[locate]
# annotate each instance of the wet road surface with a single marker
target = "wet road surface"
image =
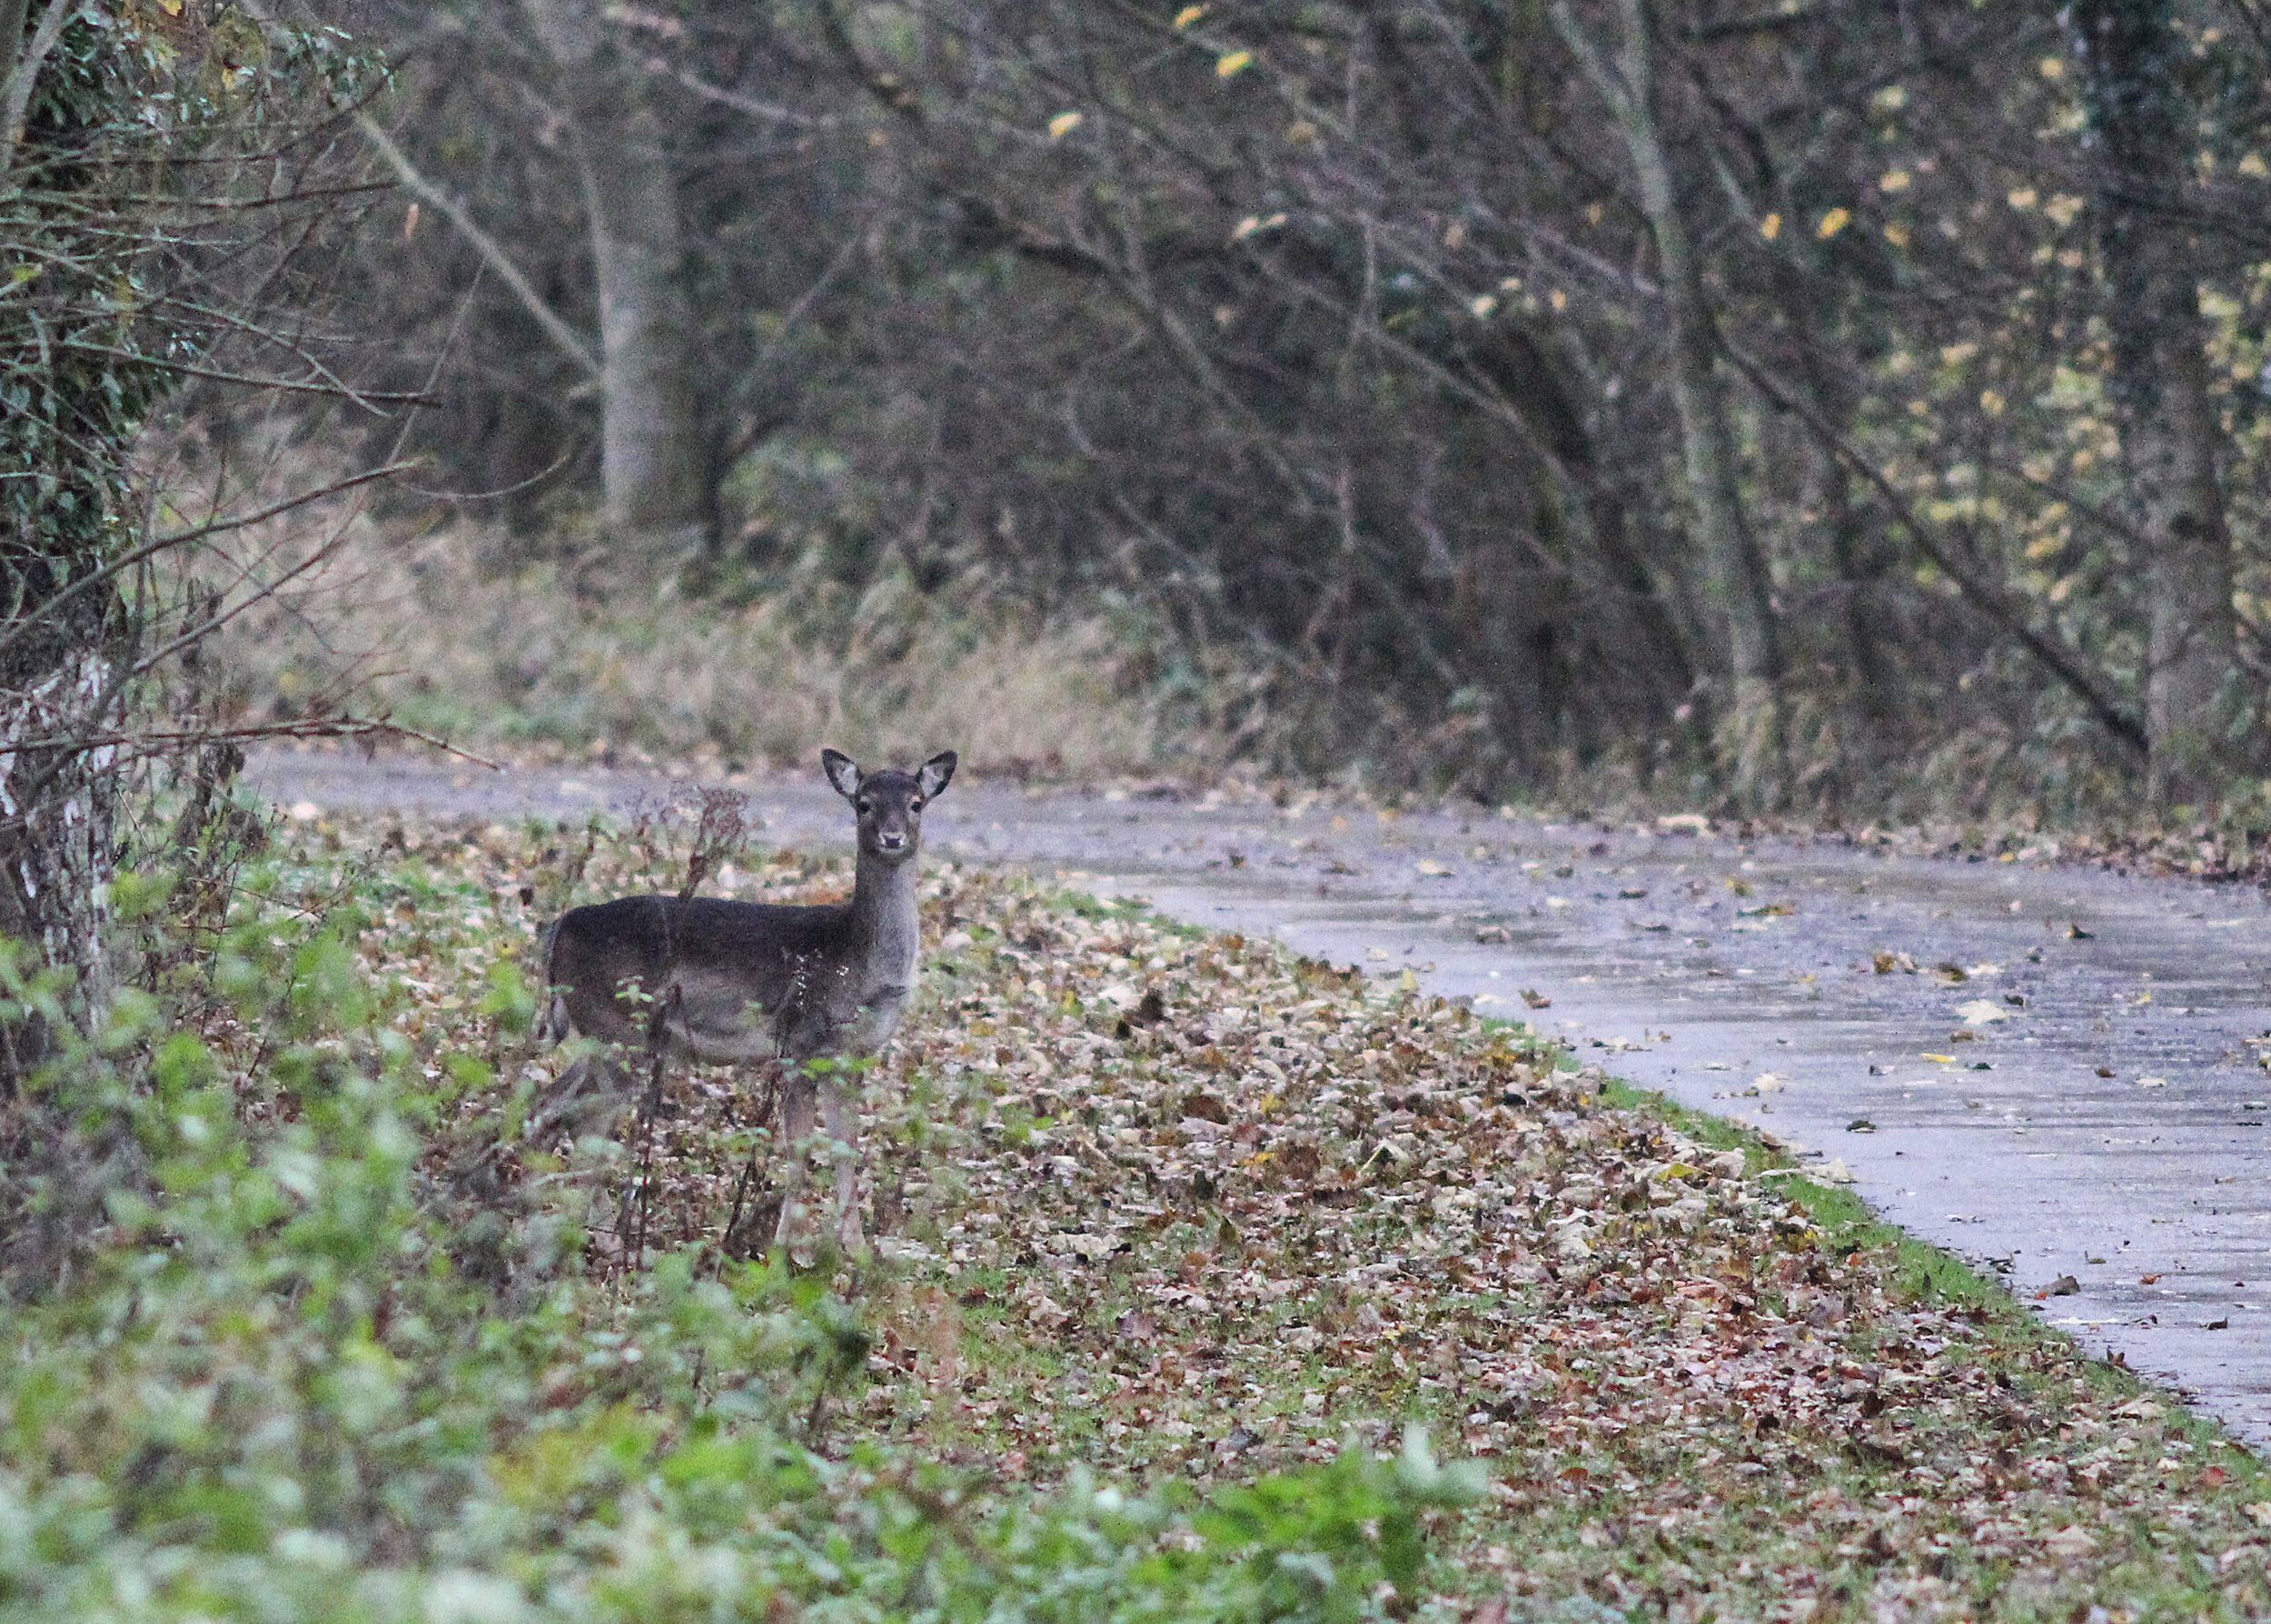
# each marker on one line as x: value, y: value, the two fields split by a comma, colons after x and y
x: 2055, y: 1072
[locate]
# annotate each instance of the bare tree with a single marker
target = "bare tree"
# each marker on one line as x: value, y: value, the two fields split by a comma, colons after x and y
x: 651, y: 459
x: 2172, y: 434
x: 1624, y: 74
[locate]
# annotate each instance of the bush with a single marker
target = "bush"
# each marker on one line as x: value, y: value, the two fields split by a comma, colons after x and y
x: 260, y: 1388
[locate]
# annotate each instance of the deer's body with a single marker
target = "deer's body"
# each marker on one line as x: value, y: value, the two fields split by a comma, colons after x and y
x: 826, y: 980
x: 761, y: 981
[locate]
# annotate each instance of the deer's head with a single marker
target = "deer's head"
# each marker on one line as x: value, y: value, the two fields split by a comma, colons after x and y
x: 889, y: 802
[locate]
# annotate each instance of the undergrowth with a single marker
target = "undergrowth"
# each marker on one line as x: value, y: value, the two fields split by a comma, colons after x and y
x: 1186, y: 1245
x: 584, y: 648
x: 254, y: 1383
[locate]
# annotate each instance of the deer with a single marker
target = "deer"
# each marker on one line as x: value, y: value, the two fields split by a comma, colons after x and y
x: 736, y: 982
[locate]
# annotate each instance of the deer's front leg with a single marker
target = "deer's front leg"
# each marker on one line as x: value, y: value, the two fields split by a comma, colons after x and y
x: 583, y: 1099
x: 843, y: 1134
x: 796, y: 1144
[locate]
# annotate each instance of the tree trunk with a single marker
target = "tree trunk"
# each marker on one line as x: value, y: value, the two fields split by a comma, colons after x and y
x: 2171, y: 432
x: 1829, y: 498
x: 58, y: 802
x: 63, y: 440
x: 13, y: 14
x: 650, y: 460
x: 1628, y: 621
x: 1741, y: 587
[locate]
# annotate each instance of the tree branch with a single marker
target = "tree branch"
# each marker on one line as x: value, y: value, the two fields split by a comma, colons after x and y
x: 1990, y: 600
x: 569, y: 341
x: 15, y: 96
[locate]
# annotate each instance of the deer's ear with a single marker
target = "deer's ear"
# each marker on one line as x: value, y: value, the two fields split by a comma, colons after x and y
x: 935, y: 772
x: 841, y: 772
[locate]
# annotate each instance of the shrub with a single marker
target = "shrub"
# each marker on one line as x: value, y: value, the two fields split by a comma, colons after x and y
x: 260, y: 1389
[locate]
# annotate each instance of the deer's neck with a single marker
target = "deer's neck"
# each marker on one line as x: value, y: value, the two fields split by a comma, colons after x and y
x: 887, y: 931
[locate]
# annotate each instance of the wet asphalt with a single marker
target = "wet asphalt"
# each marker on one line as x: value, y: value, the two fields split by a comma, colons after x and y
x: 2055, y: 1072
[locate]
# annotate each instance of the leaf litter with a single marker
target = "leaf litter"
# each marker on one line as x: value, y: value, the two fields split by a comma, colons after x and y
x: 1170, y: 1207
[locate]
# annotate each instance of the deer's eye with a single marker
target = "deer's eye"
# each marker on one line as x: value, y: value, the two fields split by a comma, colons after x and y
x: 915, y: 804
x: 866, y: 806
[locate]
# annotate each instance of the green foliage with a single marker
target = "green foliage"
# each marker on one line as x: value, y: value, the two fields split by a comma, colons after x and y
x: 266, y: 1393
x: 121, y: 202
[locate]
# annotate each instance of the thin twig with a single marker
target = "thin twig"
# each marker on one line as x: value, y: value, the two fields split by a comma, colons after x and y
x: 345, y: 726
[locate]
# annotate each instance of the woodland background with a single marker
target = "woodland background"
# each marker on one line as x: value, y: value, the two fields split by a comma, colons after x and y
x: 1841, y: 406
x: 1845, y: 409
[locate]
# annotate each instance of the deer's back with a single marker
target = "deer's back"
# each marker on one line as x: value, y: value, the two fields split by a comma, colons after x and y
x: 754, y: 978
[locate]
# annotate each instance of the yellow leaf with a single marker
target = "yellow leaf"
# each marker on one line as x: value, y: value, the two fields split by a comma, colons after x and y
x: 1898, y: 180
x: 1770, y: 227
x: 1897, y: 234
x: 1188, y: 15
x: 2254, y: 167
x: 1559, y: 300
x: 1834, y: 222
x: 1483, y: 306
x: 1063, y: 124
x: 2052, y: 68
x: 2023, y: 198
x: 1943, y: 1059
x: 1235, y: 63
x: 171, y: 8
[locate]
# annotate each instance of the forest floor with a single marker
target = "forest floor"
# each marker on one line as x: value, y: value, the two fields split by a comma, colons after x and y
x: 1161, y: 1205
